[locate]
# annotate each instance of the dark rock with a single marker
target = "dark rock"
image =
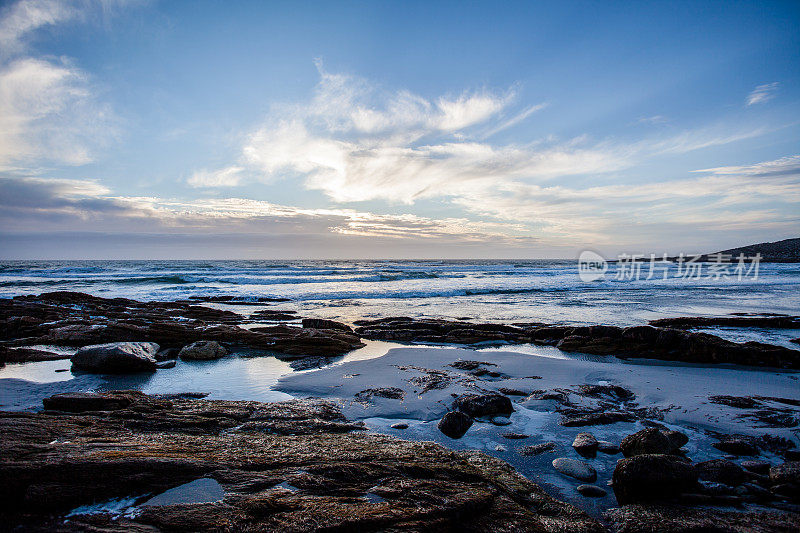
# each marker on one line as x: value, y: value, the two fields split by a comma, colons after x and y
x: 676, y: 439
x: 646, y: 441
x: 538, y: 449
x: 399, y: 425
x: 614, y: 392
x: 501, y: 421
x: 759, y: 467
x: 476, y: 405
x: 392, y: 393
x: 754, y: 491
x: 591, y: 491
x: 27, y: 355
x: 512, y: 392
x: 740, y: 402
x: 787, y: 490
x: 469, y: 365
x: 202, y: 351
x: 454, y: 424
x: 788, y: 472
x: 596, y: 419
x: 773, y: 322
x: 116, y: 357
x: 79, y: 402
x: 165, y: 354
x: 515, y: 436
x: 607, y: 447
x: 76, y: 319
x: 273, y: 315
x: 575, y: 468
x: 652, y: 477
x: 436, y: 330
x: 721, y: 471
x: 166, y: 364
x: 52, y: 463
x: 736, y: 446
x: 585, y: 444
x: 681, y: 519
x: 319, y: 323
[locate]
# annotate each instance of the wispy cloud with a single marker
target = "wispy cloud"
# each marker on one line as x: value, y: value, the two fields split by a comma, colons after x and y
x: 48, y: 113
x: 223, y: 177
x: 762, y: 93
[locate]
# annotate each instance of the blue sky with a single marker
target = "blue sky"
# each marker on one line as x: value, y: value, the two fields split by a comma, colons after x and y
x: 396, y: 129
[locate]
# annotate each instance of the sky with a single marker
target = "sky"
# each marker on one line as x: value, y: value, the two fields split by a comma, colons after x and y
x: 226, y: 130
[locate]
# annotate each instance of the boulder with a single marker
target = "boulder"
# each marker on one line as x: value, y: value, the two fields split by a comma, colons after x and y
x: 116, y: 357
x: 202, y: 351
x: 736, y: 447
x: 652, y: 477
x: 721, y: 471
x: 646, y: 441
x: 454, y: 424
x: 320, y: 323
x: 476, y: 405
x: 585, y: 444
x: 575, y: 468
x: 676, y: 439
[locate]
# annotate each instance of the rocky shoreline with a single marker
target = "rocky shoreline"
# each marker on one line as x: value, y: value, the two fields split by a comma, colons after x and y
x: 301, y: 466
x: 77, y: 319
x: 98, y: 461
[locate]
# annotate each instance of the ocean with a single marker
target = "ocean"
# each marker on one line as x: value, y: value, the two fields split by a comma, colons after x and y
x: 505, y: 291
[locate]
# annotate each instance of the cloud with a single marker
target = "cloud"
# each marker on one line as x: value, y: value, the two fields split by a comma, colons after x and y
x: 356, y: 142
x: 32, y: 203
x: 223, y: 177
x: 762, y: 93
x: 47, y: 112
x: 20, y: 19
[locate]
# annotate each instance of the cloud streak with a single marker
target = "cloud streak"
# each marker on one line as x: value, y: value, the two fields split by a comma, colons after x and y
x: 762, y: 93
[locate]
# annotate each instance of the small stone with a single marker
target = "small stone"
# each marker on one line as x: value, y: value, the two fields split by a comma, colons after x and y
x: 501, y: 421
x: 500, y: 448
x: 166, y: 364
x: 538, y: 449
x: 515, y: 436
x: 399, y: 425
x: 454, y: 424
x: 607, y: 447
x: 591, y: 491
x: 575, y: 468
x: 585, y: 444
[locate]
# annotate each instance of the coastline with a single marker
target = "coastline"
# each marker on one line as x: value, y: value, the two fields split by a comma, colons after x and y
x: 555, y: 395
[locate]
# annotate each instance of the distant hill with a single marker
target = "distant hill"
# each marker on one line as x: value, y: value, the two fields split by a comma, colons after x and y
x: 785, y: 251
